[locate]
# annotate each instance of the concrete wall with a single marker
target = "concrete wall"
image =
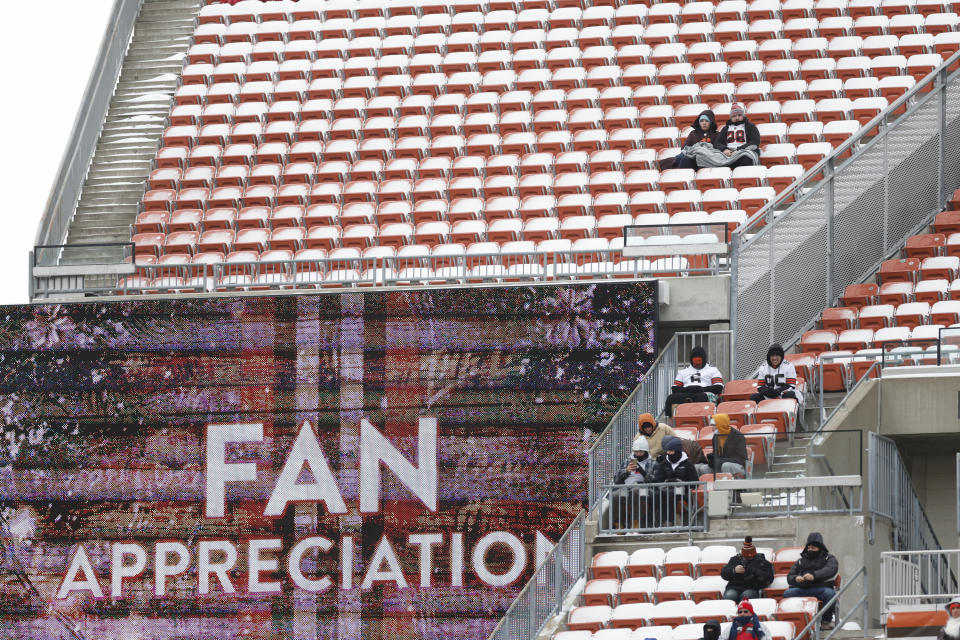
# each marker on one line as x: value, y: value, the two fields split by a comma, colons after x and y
x: 694, y: 302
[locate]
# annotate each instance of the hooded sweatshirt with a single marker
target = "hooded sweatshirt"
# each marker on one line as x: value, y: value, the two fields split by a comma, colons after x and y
x: 681, y: 470
x: 780, y: 378
x: 822, y: 564
x: 739, y: 135
x: 706, y: 378
x: 951, y: 630
x: 731, y: 447
x: 711, y: 630
x: 655, y: 439
x: 698, y: 134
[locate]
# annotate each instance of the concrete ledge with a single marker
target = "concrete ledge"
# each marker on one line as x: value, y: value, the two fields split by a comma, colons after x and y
x: 122, y: 268
x: 676, y: 249
x: 931, y: 371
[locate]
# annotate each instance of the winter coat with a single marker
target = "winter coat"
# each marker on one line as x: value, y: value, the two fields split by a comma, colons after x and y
x: 751, y: 133
x: 698, y: 134
x: 824, y: 567
x: 683, y: 471
x: 655, y: 439
x: 759, y: 632
x: 693, y: 451
x: 644, y: 472
x: 733, y: 450
x: 758, y: 572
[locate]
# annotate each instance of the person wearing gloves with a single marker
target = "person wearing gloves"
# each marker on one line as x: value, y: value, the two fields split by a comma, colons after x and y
x: 747, y: 573
x: 639, y: 468
x: 746, y: 625
x: 951, y: 630
x: 813, y: 574
x: 779, y: 377
x: 711, y: 630
x: 654, y: 432
x: 704, y: 130
x: 729, y: 448
x: 741, y: 137
x: 699, y: 382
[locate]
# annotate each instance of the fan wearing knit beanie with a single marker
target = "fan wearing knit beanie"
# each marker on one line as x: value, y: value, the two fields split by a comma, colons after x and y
x: 746, y: 573
x: 738, y: 133
x: 746, y: 625
x: 729, y: 448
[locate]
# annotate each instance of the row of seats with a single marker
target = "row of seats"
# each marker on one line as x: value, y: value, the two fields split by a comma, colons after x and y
x: 690, y: 561
x: 569, y: 194
x: 796, y: 611
x: 778, y: 630
x: 606, y: 11
x: 596, y: 618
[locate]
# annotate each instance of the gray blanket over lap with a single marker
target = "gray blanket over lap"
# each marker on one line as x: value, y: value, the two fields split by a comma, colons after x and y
x: 706, y: 155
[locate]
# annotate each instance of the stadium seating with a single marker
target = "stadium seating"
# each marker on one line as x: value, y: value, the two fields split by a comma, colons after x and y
x: 415, y: 112
x: 669, y: 594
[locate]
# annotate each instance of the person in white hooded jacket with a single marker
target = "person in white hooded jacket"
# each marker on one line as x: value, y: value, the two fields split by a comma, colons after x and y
x: 779, y: 377
x: 951, y: 630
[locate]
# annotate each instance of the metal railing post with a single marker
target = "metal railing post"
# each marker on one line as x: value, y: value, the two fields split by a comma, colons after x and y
x: 734, y: 263
x: 831, y: 176
x: 942, y: 122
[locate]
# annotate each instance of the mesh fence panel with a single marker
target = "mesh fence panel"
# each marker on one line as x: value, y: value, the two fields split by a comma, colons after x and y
x: 785, y: 275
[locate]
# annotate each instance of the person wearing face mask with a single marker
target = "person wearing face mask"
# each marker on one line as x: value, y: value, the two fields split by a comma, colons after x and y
x: 654, y: 432
x: 746, y: 625
x: 711, y: 630
x: 638, y: 469
x: 746, y: 573
x: 672, y: 466
x: 813, y: 574
x: 951, y: 630
x: 779, y: 377
x: 699, y: 382
x: 739, y: 135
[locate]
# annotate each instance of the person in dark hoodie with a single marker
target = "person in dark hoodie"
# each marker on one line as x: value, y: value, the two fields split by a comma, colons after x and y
x: 704, y: 130
x: 746, y: 625
x: 711, y: 630
x: 699, y: 382
x: 813, y: 574
x: 672, y: 466
x: 746, y: 573
x: 779, y: 377
x: 729, y: 448
x: 738, y: 133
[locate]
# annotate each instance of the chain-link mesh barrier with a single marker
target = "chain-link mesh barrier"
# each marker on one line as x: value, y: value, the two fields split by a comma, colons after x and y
x: 851, y: 212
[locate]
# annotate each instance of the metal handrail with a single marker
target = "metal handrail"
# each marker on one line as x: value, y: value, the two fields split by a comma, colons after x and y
x: 75, y: 163
x: 814, y: 624
x: 838, y: 152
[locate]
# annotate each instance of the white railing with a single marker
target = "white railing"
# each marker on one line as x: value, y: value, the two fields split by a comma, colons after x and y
x: 918, y: 578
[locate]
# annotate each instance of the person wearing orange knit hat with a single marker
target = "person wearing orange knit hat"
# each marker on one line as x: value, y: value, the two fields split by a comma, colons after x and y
x: 729, y: 447
x: 655, y: 433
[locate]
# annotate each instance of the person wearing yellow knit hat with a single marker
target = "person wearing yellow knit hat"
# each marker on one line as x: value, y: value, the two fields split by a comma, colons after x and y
x: 729, y: 447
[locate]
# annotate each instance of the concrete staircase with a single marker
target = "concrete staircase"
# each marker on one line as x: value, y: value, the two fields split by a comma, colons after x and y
x: 131, y: 132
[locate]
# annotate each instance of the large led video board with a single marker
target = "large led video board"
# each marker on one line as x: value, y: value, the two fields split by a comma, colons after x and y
x: 383, y: 464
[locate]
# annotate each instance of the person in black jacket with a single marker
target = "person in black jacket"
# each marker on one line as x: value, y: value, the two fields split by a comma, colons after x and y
x: 704, y: 130
x: 747, y: 573
x: 711, y: 630
x: 729, y: 448
x: 813, y: 574
x: 672, y: 466
x: 737, y: 134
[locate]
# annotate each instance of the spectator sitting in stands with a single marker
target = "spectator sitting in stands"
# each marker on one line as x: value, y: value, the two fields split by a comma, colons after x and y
x: 746, y: 625
x: 951, y: 630
x: 739, y: 134
x: 729, y: 448
x: 711, y: 630
x: 674, y: 465
x: 639, y: 468
x: 747, y: 573
x: 813, y: 574
x: 779, y: 377
x: 700, y: 382
x: 704, y: 130
x: 655, y: 433
x: 695, y: 454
